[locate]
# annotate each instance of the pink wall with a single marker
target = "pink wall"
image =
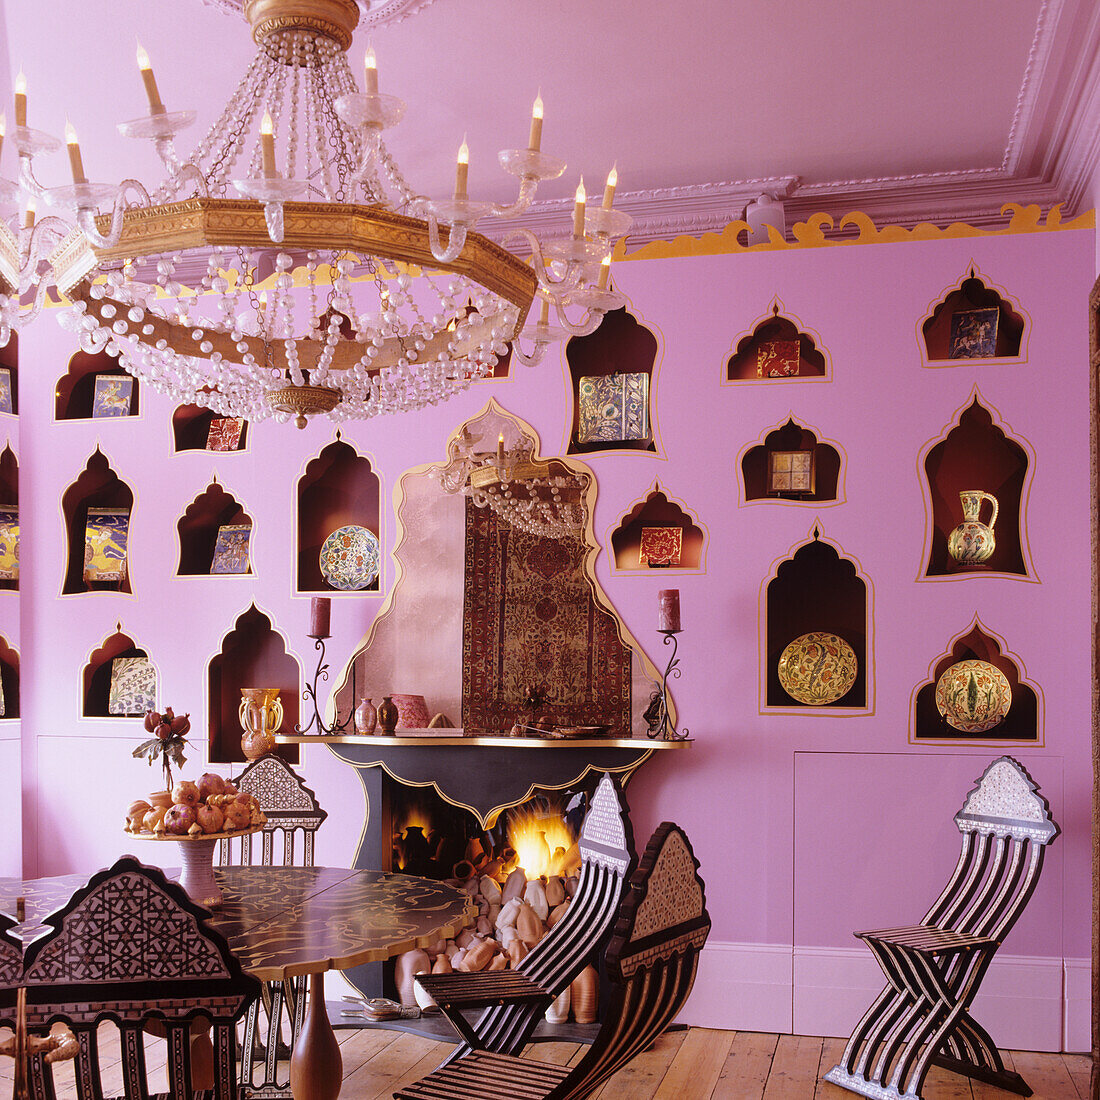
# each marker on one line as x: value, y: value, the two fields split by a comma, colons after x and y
x: 807, y: 826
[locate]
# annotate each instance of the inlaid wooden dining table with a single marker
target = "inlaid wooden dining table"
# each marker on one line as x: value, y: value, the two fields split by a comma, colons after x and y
x: 283, y: 922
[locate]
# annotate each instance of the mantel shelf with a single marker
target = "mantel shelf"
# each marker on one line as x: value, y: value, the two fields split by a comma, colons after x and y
x: 455, y: 740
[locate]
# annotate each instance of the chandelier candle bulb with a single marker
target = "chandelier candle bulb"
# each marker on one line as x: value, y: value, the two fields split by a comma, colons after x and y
x: 605, y: 272
x: 267, y: 145
x: 544, y: 311
x: 534, y: 142
x: 578, y: 210
x: 370, y: 68
x: 668, y: 610
x: 28, y: 217
x: 609, y: 188
x: 462, y: 171
x: 76, y: 163
x: 500, y: 449
x: 20, y: 99
x: 320, y: 616
x: 148, y: 78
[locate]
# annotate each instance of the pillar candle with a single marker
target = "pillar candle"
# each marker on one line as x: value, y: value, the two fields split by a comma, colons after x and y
x: 668, y: 610
x: 609, y: 187
x: 20, y: 99
x: 75, y: 161
x: 370, y: 69
x: 148, y: 78
x: 320, y: 611
x: 462, y: 172
x: 578, y: 210
x: 534, y: 141
x: 267, y: 146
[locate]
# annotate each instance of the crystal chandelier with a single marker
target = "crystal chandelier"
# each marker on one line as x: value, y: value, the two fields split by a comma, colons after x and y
x: 287, y: 268
x: 545, y: 499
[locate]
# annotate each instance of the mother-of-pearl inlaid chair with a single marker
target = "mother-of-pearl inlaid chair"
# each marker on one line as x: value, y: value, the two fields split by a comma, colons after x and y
x: 651, y: 962
x: 934, y: 968
x: 291, y: 809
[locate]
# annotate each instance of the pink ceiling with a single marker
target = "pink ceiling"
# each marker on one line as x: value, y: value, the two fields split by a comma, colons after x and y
x: 694, y: 97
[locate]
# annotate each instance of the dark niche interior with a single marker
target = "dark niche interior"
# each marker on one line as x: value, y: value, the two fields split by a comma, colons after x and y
x: 791, y: 437
x: 744, y: 364
x: 972, y: 293
x: 96, y: 680
x: 75, y: 392
x: 656, y: 511
x: 976, y: 454
x: 98, y: 486
x: 253, y: 654
x: 816, y: 590
x: 1020, y: 724
x: 198, y: 529
x: 620, y: 345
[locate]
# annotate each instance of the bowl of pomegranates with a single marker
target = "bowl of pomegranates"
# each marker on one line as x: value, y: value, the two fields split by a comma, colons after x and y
x: 196, y: 815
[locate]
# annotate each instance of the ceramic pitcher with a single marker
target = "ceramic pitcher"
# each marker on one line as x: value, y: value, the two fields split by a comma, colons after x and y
x: 261, y: 714
x: 972, y: 542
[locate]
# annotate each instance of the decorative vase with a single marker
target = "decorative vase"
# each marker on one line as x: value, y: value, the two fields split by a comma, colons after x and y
x: 558, y: 1012
x: 261, y: 714
x: 412, y: 712
x: 387, y: 715
x: 585, y: 995
x: 366, y: 717
x: 972, y: 542
x: 162, y: 799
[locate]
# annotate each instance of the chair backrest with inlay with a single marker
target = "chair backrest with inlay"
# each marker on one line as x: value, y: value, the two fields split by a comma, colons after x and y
x: 289, y: 805
x: 1006, y: 826
x: 651, y: 959
x: 131, y: 946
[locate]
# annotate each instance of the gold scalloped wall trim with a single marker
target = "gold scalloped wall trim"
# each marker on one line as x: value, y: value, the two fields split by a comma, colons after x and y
x: 811, y: 233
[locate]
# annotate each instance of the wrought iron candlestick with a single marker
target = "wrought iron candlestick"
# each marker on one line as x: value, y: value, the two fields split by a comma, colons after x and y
x: 668, y: 624
x: 319, y: 624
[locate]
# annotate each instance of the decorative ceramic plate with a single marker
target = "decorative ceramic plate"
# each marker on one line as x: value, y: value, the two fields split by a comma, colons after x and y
x: 818, y: 668
x: 974, y: 696
x: 349, y: 558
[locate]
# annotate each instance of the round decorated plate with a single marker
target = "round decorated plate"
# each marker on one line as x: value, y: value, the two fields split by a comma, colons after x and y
x: 817, y: 668
x: 349, y: 558
x: 974, y: 696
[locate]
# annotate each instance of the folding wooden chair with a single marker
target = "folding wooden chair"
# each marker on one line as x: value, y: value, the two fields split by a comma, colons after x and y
x: 291, y: 808
x: 131, y: 947
x: 515, y: 1000
x: 934, y: 968
x: 651, y: 961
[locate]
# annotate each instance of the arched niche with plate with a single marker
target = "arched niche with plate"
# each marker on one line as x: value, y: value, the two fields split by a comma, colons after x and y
x: 776, y: 349
x: 119, y: 680
x: 791, y: 465
x: 976, y: 460
x: 816, y: 649
x: 977, y: 692
x: 613, y: 375
x: 214, y: 534
x: 98, y: 509
x: 659, y: 533
x: 338, y: 492
x: 972, y: 320
x: 253, y: 654
x: 492, y: 624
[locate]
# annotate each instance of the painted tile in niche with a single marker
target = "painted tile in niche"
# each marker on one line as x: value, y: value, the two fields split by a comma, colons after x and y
x: 613, y: 408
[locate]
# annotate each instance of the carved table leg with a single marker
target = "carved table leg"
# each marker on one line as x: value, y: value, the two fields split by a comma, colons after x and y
x: 316, y: 1068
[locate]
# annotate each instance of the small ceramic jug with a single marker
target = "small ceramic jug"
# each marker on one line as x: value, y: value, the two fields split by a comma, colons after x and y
x: 387, y: 715
x: 366, y: 717
x: 972, y: 542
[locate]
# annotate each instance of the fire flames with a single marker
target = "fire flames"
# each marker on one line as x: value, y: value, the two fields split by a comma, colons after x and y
x: 541, y: 841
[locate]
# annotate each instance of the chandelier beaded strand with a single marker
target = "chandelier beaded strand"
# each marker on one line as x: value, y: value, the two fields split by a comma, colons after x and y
x: 287, y: 268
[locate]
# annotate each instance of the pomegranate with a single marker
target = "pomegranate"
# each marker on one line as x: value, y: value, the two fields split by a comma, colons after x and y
x: 209, y: 784
x: 185, y: 792
x: 210, y: 818
x: 179, y: 818
x: 237, y: 816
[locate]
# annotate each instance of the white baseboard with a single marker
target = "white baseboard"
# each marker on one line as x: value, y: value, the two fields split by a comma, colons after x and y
x: 1026, y: 1003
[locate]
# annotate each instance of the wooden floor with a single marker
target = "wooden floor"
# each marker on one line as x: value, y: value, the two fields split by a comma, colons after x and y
x: 686, y: 1065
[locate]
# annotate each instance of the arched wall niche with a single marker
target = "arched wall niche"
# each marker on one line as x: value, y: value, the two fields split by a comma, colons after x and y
x: 75, y: 391
x: 973, y: 292
x: 98, y: 486
x: 97, y: 674
x: 191, y: 430
x: 766, y: 353
x: 419, y: 643
x: 816, y: 588
x: 253, y: 654
x: 764, y: 478
x: 977, y: 453
x: 9, y: 360
x: 9, y: 678
x: 338, y: 488
x: 9, y: 519
x: 622, y: 346
x: 656, y: 510
x: 198, y: 528
x: 1022, y: 724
